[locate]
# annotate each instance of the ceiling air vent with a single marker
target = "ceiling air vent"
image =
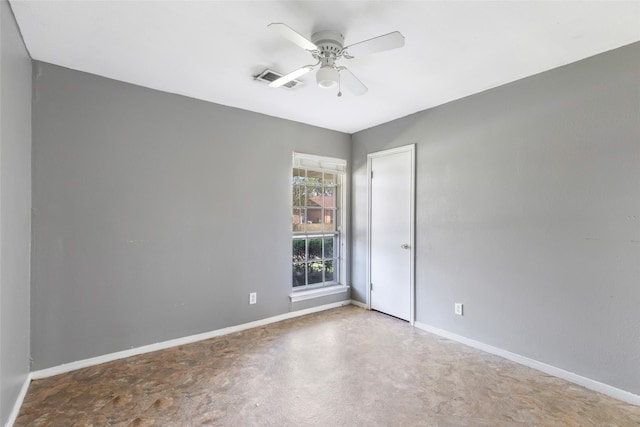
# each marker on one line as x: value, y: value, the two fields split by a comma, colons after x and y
x: 269, y: 75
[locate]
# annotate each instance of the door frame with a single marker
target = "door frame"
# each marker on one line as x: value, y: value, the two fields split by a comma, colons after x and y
x: 412, y: 149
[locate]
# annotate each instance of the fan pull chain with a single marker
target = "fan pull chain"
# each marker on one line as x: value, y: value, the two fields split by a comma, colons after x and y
x: 339, y: 86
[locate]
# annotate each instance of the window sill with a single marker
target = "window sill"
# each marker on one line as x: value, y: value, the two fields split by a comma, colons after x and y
x: 317, y: 293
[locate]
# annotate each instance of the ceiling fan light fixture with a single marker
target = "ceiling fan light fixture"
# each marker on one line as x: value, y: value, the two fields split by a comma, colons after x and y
x: 327, y: 77
x: 327, y: 47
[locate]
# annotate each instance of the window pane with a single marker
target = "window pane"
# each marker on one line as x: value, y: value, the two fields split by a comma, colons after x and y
x: 299, y: 252
x: 329, y: 198
x: 315, y: 248
x: 299, y: 198
x: 329, y: 220
x: 314, y: 219
x: 297, y: 220
x: 329, y: 273
x: 298, y: 275
x: 314, y: 178
x: 315, y: 272
x: 298, y: 175
x: 314, y: 197
x: 330, y: 179
x: 328, y: 247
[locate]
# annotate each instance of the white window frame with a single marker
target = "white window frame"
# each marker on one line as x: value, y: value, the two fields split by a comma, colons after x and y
x: 339, y: 167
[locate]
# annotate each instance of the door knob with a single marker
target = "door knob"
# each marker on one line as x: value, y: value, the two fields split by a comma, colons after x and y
x: 405, y: 246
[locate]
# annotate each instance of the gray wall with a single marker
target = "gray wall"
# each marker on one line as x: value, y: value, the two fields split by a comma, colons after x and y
x: 528, y: 212
x: 15, y: 209
x: 155, y: 215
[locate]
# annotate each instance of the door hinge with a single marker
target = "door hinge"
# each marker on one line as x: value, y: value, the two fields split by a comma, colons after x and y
x: 371, y: 174
x: 370, y: 286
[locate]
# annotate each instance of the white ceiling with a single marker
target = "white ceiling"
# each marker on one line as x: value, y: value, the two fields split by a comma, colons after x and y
x: 211, y: 50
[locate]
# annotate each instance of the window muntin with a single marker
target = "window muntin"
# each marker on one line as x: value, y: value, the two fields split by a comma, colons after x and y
x: 315, y: 221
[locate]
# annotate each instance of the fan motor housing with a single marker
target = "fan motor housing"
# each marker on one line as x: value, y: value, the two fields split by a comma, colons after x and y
x: 330, y: 43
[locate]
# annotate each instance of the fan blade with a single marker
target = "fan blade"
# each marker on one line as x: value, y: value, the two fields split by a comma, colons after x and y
x: 377, y: 44
x: 285, y: 31
x: 291, y: 76
x: 351, y: 82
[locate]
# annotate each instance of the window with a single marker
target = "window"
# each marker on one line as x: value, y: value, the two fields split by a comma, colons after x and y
x: 316, y: 220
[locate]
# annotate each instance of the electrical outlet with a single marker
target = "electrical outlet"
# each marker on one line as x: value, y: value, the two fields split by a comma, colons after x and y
x: 253, y: 298
x: 457, y: 308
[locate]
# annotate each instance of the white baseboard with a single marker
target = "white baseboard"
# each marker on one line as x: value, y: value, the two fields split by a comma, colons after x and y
x: 18, y: 403
x: 68, y: 367
x: 359, y: 304
x: 614, y: 392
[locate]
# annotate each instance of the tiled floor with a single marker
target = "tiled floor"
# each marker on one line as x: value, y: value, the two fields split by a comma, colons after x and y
x: 344, y: 367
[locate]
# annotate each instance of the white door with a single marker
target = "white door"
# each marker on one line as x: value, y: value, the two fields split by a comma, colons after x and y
x: 391, y: 207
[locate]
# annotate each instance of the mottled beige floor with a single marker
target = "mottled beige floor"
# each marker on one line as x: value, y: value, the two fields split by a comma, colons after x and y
x: 343, y: 367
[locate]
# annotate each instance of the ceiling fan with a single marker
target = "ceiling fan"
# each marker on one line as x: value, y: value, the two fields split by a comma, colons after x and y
x: 327, y: 47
